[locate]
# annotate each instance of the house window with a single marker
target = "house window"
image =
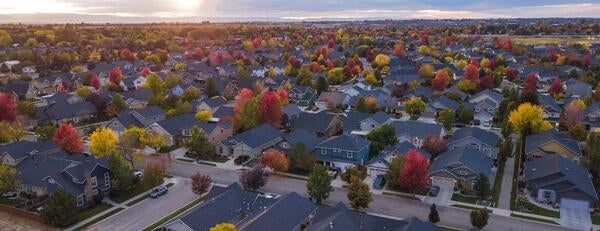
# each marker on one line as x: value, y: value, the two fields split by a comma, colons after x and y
x: 592, y: 118
x: 323, y: 151
x: 462, y: 172
x: 349, y: 155
x: 220, y: 149
x: 106, y: 180
x: 547, y: 194
x: 93, y: 182
x: 338, y: 150
x: 80, y: 201
x: 284, y: 145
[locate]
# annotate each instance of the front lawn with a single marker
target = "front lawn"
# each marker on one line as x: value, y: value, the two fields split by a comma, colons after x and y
x: 11, y: 201
x: 137, y: 189
x: 539, y: 210
x: 464, y: 199
x: 87, y: 213
x: 498, y: 182
x: 595, y: 219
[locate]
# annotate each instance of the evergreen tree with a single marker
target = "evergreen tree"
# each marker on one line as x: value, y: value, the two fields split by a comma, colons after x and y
x: 120, y: 174
x: 322, y: 85
x: 211, y: 87
x: 60, y: 209
x: 483, y: 186
x: 479, y: 217
x: 434, y: 217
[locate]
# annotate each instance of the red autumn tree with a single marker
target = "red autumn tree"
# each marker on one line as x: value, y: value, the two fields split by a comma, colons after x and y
x: 511, y: 74
x: 331, y: 43
x: 145, y: 72
x: 572, y: 114
x: 414, y: 176
x: 441, y: 80
x: 329, y: 64
x: 200, y: 183
x: 530, y: 85
x: 8, y: 107
x: 472, y: 73
x: 399, y: 50
x: 95, y: 82
x: 62, y: 88
x: 115, y: 76
x: 67, y: 138
x: 587, y: 59
x: 269, y: 108
x: 126, y: 54
x: 243, y: 96
x: 435, y: 145
x: 282, y: 96
x: 556, y: 87
x: 275, y: 160
x: 198, y: 54
x: 486, y: 82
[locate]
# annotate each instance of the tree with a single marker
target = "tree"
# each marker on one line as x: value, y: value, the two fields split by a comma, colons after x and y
x: 145, y: 72
x: 556, y: 88
x: 223, y: 227
x: 414, y: 107
x: 191, y: 94
x: 269, y: 108
x: 103, y: 142
x: 578, y: 132
x: 434, y: 217
x: 154, y: 140
x: 593, y: 152
x: 479, y: 217
x: 95, y: 82
x: 254, y: 178
x: 572, y: 114
x: 447, y: 118
x: 482, y: 186
x: 392, y: 176
x: 67, y: 138
x: 154, y: 173
x: 203, y: 115
x: 155, y: 83
x: 528, y: 117
x: 8, y: 178
x: 382, y: 60
x: 472, y: 74
x: 126, y: 54
x: 464, y: 114
x: 211, y: 87
x: 466, y: 86
x: 115, y: 76
x: 441, y: 80
x: 361, y: 105
x: 5, y: 39
x: 359, y: 194
x: 8, y: 107
x: 11, y: 131
x: 426, y: 71
x: 26, y: 108
x: 45, y: 132
x: 414, y: 176
x: 60, y: 209
x: 486, y: 83
x: 399, y: 49
x: 530, y: 85
x: 359, y: 172
x: 322, y: 85
x: 200, y: 183
x: 380, y: 137
x: 198, y: 145
x: 121, y: 179
x: 511, y: 73
x: 83, y: 92
x: 435, y: 145
x: 275, y: 160
x: 371, y: 104
x: 301, y: 161
x: 118, y: 103
x: 318, y: 185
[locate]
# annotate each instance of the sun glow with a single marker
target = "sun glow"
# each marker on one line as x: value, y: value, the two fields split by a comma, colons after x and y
x: 188, y: 4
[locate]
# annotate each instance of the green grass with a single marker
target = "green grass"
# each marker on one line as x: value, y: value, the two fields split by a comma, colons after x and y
x: 464, y: 199
x: 100, y: 218
x: 173, y: 214
x: 87, y: 213
x: 11, y: 202
x: 124, y: 196
x: 533, y: 218
x: 541, y: 211
x: 595, y: 219
x: 498, y: 182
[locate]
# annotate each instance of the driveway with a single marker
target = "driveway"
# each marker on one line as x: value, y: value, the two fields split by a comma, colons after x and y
x: 445, y: 195
x: 150, y: 210
x: 575, y: 214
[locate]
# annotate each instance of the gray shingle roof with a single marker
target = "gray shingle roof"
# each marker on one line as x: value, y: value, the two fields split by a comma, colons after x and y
x: 467, y: 156
x: 313, y: 122
x: 308, y: 139
x: 345, y: 142
x: 257, y: 136
x: 416, y: 129
x: 536, y: 140
x: 21, y: 149
x: 484, y: 136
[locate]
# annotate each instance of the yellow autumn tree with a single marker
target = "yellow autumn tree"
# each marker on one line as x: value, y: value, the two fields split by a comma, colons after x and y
x: 382, y: 60
x: 370, y: 77
x: 203, y: 115
x: 529, y: 116
x: 223, y: 227
x: 103, y: 142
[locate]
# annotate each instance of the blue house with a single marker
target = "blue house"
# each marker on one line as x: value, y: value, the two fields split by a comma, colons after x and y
x: 343, y: 151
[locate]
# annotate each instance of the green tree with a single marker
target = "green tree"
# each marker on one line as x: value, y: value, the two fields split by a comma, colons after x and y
x: 578, y: 132
x: 8, y: 178
x: 45, y: 132
x: 318, y: 185
x: 593, y: 152
x: 380, y: 137
x: 434, y: 217
x: 359, y: 194
x: 83, y: 92
x: 464, y: 114
x: 392, y: 176
x: 118, y: 103
x: 322, y: 85
x: 198, y: 145
x: 414, y: 107
x: 5, y: 39
x: 301, y: 161
x: 211, y: 87
x: 479, y: 217
x: 60, y: 209
x: 361, y: 105
x: 483, y: 186
x: 447, y: 118
x: 26, y: 108
x: 354, y: 171
x: 120, y: 174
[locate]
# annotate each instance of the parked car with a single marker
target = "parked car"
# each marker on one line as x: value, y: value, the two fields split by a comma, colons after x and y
x: 9, y: 194
x: 159, y: 191
x: 138, y: 174
x: 379, y: 182
x: 241, y: 159
x: 433, y: 191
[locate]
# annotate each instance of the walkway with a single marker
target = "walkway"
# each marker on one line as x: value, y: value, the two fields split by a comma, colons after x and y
x: 506, y: 188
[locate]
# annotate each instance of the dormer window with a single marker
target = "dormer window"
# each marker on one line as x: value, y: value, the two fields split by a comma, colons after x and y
x: 462, y: 172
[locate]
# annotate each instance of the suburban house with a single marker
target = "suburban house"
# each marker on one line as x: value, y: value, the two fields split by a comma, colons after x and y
x: 577, y: 89
x: 251, y: 142
x: 380, y: 164
x: 322, y: 124
x: 591, y: 116
x: 551, y: 108
x: 141, y: 118
x: 212, y: 104
x: 555, y: 179
x: 20, y: 90
x: 179, y: 128
x: 363, y: 123
x: 291, y: 112
x: 12, y: 154
x: 81, y: 175
x: 462, y: 165
x: 253, y: 211
x: 485, y: 104
x: 137, y: 98
x: 60, y: 108
x: 415, y: 132
x: 302, y: 96
x: 479, y: 139
x: 332, y: 99
x: 343, y: 151
x: 307, y: 139
x: 552, y: 142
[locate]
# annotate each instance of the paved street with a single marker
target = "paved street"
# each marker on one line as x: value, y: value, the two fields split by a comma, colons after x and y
x: 150, y: 210
x: 385, y: 205
x: 509, y: 168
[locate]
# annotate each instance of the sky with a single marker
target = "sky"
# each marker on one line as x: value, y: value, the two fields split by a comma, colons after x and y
x: 126, y: 11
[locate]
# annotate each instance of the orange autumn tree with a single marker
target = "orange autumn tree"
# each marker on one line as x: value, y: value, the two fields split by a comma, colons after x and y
x: 275, y: 160
x: 67, y: 138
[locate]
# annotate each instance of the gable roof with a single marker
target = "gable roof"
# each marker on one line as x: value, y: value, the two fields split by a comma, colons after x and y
x: 413, y: 128
x: 308, y: 139
x: 483, y: 136
x: 465, y: 155
x: 535, y: 141
x: 313, y: 122
x: 21, y: 149
x: 175, y: 125
x: 256, y: 137
x: 345, y: 142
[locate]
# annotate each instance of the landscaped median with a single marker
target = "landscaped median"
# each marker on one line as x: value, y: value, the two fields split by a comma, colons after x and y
x: 172, y: 215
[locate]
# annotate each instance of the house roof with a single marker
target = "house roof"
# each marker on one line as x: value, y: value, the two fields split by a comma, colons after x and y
x: 175, y: 125
x: 352, y: 121
x: 549, y: 165
x: 307, y: 138
x: 256, y: 137
x: 345, y: 142
x: 484, y: 136
x: 287, y: 213
x: 313, y: 122
x: 475, y: 160
x: 21, y: 149
x: 535, y: 141
x: 413, y: 128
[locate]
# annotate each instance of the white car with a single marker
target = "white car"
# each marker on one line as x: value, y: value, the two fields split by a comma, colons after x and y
x: 138, y: 174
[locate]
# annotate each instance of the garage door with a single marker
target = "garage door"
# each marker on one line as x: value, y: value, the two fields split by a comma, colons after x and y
x: 575, y: 214
x: 573, y: 204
